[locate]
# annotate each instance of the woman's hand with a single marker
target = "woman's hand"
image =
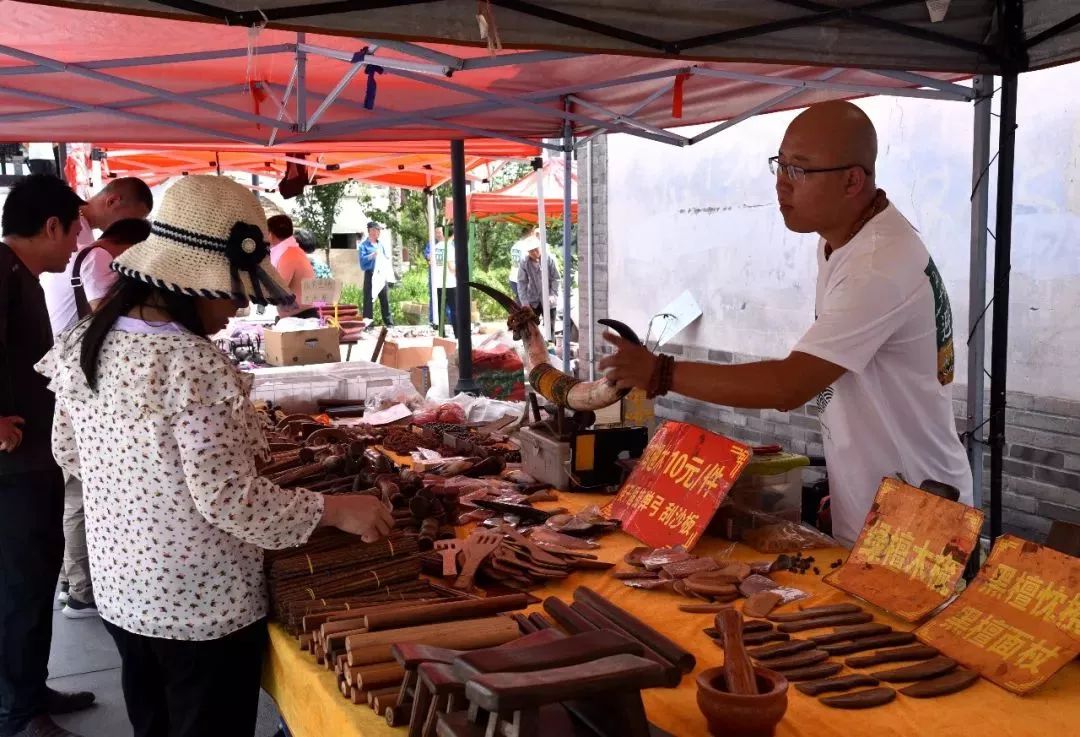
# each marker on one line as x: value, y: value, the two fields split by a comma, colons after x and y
x: 631, y: 367
x: 359, y: 514
x: 10, y: 433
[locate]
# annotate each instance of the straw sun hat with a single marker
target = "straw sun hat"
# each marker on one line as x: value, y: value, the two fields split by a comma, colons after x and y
x: 208, y: 240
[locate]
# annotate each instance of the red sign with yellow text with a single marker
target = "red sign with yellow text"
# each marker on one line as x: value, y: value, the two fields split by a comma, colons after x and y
x: 677, y: 486
x: 1018, y: 622
x: 911, y: 552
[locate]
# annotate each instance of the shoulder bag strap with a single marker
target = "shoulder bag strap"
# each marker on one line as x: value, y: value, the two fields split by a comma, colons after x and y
x: 81, y: 303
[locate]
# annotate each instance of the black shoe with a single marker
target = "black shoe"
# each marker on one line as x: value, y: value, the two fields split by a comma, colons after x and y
x: 58, y: 702
x: 44, y: 727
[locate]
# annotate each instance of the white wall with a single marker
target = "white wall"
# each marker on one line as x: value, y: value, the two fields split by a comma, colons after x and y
x: 704, y: 218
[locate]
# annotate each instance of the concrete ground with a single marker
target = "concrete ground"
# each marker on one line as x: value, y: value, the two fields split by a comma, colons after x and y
x: 84, y: 658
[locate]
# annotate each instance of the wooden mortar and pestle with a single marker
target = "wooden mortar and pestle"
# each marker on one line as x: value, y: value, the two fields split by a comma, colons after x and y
x: 739, y: 699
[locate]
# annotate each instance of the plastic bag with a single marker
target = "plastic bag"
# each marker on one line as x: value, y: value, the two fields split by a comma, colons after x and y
x: 785, y: 536
x: 757, y: 583
x: 386, y: 398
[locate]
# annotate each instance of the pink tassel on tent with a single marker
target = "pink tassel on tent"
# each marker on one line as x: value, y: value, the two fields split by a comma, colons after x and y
x: 485, y: 18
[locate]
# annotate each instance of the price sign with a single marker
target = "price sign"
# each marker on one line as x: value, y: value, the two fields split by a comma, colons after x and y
x: 911, y: 552
x: 1018, y: 622
x: 320, y: 291
x: 677, y: 486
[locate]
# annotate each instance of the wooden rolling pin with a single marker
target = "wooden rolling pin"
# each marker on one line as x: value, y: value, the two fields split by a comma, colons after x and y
x: 665, y: 646
x: 450, y: 611
x: 502, y: 629
x: 451, y: 639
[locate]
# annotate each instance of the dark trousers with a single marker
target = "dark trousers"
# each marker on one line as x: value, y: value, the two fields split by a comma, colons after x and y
x: 540, y: 312
x: 514, y: 292
x: 181, y: 688
x: 31, y: 551
x: 450, y: 295
x: 384, y: 300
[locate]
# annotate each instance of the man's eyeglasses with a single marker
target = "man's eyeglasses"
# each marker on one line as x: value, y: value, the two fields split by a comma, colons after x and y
x: 798, y: 173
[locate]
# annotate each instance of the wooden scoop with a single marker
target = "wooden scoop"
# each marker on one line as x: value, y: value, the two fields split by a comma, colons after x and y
x: 448, y: 549
x: 478, y: 547
x: 738, y: 670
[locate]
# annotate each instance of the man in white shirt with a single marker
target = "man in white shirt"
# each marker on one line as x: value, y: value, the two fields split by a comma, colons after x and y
x: 879, y: 356
x: 120, y: 199
x: 442, y: 262
x: 291, y: 262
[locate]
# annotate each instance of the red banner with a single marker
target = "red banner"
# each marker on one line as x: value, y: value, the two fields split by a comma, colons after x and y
x: 677, y: 486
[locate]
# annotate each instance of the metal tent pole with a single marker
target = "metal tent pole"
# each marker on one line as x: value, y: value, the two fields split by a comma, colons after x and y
x: 976, y: 347
x: 433, y: 296
x: 545, y: 289
x: 589, y: 326
x: 301, y: 84
x: 568, y: 152
x: 999, y: 350
x: 465, y: 384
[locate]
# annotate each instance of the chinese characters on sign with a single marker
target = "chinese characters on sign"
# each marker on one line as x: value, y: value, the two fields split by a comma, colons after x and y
x: 676, y: 487
x: 911, y: 552
x: 1019, y: 620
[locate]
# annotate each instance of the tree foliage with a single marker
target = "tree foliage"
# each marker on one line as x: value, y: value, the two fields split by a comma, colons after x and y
x: 319, y: 206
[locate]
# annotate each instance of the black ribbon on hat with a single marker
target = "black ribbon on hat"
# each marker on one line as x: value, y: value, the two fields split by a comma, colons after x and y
x: 246, y: 248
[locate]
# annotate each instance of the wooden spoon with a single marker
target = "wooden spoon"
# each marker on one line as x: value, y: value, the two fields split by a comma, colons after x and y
x: 478, y: 547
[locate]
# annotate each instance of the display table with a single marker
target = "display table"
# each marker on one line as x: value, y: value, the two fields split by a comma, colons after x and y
x: 312, y: 706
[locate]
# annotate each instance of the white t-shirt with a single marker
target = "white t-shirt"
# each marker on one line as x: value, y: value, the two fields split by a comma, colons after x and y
x: 884, y: 316
x: 97, y: 275
x: 439, y: 252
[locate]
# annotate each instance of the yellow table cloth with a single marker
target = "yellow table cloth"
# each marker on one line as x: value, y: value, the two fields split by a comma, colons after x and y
x: 312, y: 706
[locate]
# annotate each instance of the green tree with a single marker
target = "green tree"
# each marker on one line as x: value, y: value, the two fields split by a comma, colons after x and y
x: 319, y: 206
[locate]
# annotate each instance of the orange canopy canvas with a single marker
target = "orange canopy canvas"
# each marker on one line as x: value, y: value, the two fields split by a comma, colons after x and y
x: 519, y: 201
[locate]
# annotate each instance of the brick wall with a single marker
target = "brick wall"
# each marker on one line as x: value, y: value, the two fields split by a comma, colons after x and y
x: 1042, y: 466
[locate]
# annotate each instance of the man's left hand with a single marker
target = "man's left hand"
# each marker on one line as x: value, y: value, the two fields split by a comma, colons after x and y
x: 631, y: 367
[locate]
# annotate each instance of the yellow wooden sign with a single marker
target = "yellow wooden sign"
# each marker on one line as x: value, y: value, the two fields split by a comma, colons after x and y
x: 1018, y: 622
x: 911, y: 552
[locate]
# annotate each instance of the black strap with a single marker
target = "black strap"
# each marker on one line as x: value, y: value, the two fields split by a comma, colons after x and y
x: 81, y: 303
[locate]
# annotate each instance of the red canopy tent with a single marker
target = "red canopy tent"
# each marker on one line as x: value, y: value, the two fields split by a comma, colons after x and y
x: 416, y: 171
x: 519, y: 202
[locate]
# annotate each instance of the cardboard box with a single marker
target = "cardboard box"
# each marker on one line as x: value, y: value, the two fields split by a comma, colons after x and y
x: 421, y: 379
x: 301, y: 347
x: 405, y: 353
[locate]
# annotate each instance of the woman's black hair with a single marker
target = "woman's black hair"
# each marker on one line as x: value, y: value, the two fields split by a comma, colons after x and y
x: 305, y: 239
x: 126, y: 295
x: 127, y: 232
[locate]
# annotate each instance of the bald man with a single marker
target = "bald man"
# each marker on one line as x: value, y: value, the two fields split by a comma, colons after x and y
x: 879, y: 356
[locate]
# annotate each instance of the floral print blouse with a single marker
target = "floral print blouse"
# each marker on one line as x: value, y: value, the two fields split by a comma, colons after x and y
x: 176, y: 515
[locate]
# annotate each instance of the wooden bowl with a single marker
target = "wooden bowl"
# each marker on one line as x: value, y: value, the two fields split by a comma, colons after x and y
x: 732, y: 715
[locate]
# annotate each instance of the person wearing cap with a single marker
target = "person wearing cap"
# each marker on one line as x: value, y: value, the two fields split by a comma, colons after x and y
x: 119, y: 210
x: 530, y: 282
x: 291, y: 263
x: 158, y: 424
x: 40, y: 227
x: 518, y: 252
x: 374, y: 260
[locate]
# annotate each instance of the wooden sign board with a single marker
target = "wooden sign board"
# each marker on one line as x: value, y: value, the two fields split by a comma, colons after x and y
x: 1018, y: 622
x: 911, y: 552
x: 677, y: 486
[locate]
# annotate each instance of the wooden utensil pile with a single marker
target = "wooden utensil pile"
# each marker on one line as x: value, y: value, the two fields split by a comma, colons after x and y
x: 356, y: 642
x: 809, y: 662
x: 711, y: 580
x: 336, y: 565
x: 507, y: 557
